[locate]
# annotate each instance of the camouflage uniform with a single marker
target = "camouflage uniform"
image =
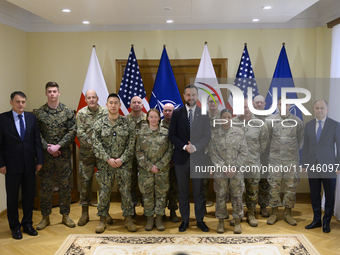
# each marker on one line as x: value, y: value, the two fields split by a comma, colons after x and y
x: 172, y: 197
x: 263, y: 200
x: 284, y: 150
x: 228, y: 147
x: 114, y: 141
x: 257, y: 141
x: 87, y: 160
x: 208, y: 156
x: 139, y: 122
x: 153, y: 148
x: 57, y: 126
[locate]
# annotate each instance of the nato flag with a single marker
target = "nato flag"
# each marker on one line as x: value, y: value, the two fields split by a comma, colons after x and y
x: 165, y: 89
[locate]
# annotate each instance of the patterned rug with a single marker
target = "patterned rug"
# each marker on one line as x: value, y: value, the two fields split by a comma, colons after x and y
x: 186, y: 244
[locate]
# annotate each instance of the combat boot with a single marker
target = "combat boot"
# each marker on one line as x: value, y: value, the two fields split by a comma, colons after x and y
x: 264, y: 212
x: 288, y: 217
x: 109, y: 219
x: 45, y: 221
x: 273, y: 217
x: 173, y: 216
x: 220, y: 226
x: 238, y: 228
x: 129, y: 224
x: 227, y: 217
x: 251, y: 218
x: 102, y: 225
x: 150, y: 223
x: 67, y: 221
x: 84, y: 218
x: 232, y: 222
x: 159, y: 223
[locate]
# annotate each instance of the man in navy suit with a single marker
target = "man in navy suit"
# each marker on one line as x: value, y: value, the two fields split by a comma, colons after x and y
x: 189, y: 132
x: 321, y: 136
x: 21, y: 155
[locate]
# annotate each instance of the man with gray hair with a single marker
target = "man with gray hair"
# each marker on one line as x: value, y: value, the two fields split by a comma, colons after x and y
x: 86, y: 117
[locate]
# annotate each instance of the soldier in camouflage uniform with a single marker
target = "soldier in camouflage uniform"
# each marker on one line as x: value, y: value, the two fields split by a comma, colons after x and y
x: 86, y: 117
x: 214, y: 113
x: 256, y: 134
x: 153, y: 152
x: 57, y: 126
x: 229, y: 152
x: 263, y: 201
x: 286, y: 141
x: 172, y: 197
x: 113, y: 142
x: 139, y: 118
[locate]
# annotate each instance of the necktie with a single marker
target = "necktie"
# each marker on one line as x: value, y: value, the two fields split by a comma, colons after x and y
x: 22, y: 127
x: 190, y: 118
x: 318, y: 132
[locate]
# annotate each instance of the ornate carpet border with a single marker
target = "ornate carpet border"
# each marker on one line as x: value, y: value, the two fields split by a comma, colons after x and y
x: 77, y: 243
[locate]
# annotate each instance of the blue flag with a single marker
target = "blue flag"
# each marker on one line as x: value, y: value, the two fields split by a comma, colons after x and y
x: 165, y: 89
x: 282, y: 78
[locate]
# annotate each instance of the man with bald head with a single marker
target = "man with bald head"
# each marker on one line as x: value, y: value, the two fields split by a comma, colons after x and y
x: 139, y: 117
x: 173, y: 190
x: 86, y: 117
x: 263, y: 196
x: 322, y: 134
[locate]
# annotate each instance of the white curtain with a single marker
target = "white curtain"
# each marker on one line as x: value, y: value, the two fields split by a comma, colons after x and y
x: 334, y: 93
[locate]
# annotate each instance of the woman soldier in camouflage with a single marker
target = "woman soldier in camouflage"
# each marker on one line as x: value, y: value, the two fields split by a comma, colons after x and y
x: 228, y: 153
x: 153, y: 152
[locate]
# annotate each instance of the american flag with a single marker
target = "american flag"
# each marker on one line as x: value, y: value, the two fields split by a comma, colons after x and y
x: 132, y: 85
x: 245, y: 76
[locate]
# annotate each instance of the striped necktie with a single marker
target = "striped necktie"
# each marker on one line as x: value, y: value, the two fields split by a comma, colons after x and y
x: 191, y: 118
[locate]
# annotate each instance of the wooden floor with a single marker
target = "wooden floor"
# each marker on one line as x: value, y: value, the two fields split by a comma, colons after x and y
x: 49, y: 239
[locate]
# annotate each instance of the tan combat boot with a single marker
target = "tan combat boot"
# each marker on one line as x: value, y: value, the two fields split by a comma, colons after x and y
x: 220, y: 226
x: 67, y: 221
x: 232, y: 222
x: 238, y: 228
x: 129, y: 224
x: 150, y: 223
x: 84, y: 218
x: 45, y: 221
x: 102, y: 225
x: 109, y: 219
x: 288, y: 217
x: 273, y: 217
x: 264, y: 212
x: 159, y: 223
x: 251, y: 218
x: 173, y: 216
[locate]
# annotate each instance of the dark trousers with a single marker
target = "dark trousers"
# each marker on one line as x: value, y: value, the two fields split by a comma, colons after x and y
x: 13, y: 182
x: 315, y: 192
x: 183, y: 181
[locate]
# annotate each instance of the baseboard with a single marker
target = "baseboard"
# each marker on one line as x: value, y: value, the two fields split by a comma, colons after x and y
x: 4, y: 212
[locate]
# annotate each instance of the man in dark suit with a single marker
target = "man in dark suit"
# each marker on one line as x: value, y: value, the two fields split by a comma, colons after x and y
x: 321, y: 136
x: 21, y: 155
x: 189, y: 132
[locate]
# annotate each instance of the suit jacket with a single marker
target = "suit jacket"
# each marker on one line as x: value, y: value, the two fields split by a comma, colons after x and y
x: 15, y: 154
x: 180, y: 134
x: 323, y: 151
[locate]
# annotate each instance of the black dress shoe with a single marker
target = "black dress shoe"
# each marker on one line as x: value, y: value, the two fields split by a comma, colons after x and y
x: 16, y: 234
x: 202, y: 226
x: 326, y: 228
x: 30, y: 231
x: 314, y: 224
x: 184, y: 225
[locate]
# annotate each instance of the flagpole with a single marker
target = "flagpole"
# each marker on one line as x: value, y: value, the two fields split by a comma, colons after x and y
x: 206, y: 43
x: 94, y: 46
x: 164, y: 45
x: 131, y: 45
x: 245, y: 44
x: 283, y: 44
